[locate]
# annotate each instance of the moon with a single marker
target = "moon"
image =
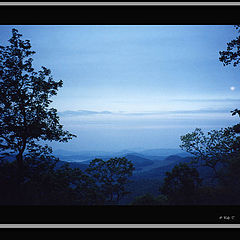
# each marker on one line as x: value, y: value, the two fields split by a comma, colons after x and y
x: 232, y: 88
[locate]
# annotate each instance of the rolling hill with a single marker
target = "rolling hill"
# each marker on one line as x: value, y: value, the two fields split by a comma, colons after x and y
x: 138, y: 162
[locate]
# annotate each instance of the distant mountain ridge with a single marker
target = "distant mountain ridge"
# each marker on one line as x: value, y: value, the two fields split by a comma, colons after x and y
x: 138, y: 162
x: 168, y: 164
x: 161, y: 152
x: 146, y: 166
x: 152, y: 154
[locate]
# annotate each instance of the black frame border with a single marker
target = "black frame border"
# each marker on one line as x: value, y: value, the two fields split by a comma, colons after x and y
x: 119, y: 15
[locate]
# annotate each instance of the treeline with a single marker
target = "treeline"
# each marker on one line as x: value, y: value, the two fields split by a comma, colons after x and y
x: 47, y: 182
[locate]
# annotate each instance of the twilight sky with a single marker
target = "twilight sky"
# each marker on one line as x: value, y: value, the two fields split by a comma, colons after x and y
x: 128, y: 87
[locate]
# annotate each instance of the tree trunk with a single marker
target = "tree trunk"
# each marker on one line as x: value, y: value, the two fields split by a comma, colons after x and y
x: 20, y: 167
x: 20, y: 172
x: 19, y: 179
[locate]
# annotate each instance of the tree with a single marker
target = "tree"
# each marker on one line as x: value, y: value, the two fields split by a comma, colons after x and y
x: 181, y: 184
x: 212, y: 149
x: 111, y: 176
x: 25, y: 113
x: 150, y: 200
x: 67, y: 186
x: 232, y: 56
x: 47, y: 181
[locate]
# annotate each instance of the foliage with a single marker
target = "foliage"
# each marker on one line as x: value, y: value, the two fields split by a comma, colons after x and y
x: 218, y: 150
x: 111, y: 176
x: 232, y: 54
x: 139, y: 187
x: 181, y: 184
x: 149, y: 200
x: 25, y: 112
x: 229, y: 180
x: 47, y: 183
x: 211, y: 149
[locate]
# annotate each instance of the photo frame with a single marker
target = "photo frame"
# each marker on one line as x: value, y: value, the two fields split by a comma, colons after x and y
x: 120, y: 14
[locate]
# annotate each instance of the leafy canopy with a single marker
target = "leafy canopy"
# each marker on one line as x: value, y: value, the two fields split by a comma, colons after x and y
x: 111, y: 176
x: 232, y: 54
x: 211, y: 148
x: 25, y: 112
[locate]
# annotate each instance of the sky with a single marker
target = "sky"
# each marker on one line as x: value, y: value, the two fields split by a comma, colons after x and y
x: 135, y: 86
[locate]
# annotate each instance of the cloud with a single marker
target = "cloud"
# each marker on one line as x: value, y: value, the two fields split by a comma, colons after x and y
x: 209, y: 100
x: 153, y: 113
x: 200, y: 111
x: 82, y: 113
x: 197, y: 111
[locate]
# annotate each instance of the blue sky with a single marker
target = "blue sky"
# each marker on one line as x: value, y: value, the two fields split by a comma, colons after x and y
x: 136, y: 86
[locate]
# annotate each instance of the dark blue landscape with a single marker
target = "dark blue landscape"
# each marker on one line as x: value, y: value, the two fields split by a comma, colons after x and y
x: 150, y: 167
x: 120, y: 115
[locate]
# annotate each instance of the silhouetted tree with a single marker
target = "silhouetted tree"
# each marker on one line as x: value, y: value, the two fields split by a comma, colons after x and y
x: 25, y: 113
x: 229, y: 184
x: 111, y: 176
x: 212, y: 149
x: 150, y: 200
x: 47, y: 181
x: 67, y: 186
x: 181, y: 184
x: 232, y: 56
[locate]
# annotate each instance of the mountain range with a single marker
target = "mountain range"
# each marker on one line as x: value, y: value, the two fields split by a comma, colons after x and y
x: 150, y: 166
x: 153, y: 154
